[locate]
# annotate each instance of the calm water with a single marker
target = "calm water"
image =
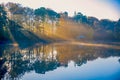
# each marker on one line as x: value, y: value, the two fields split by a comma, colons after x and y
x: 59, y: 62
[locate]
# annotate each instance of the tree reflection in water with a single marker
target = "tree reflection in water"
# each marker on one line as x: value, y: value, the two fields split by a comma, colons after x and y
x: 15, y: 62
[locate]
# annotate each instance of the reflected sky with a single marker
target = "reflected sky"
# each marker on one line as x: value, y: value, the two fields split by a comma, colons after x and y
x: 99, y: 69
x: 60, y: 61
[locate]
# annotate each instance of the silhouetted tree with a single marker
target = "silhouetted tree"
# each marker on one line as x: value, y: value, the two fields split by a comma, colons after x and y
x: 78, y: 17
x: 3, y: 24
x: 117, y: 29
x: 65, y: 14
x: 107, y: 24
x: 92, y: 21
x: 41, y: 12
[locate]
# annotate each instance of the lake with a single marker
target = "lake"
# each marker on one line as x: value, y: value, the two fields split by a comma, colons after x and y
x: 60, y: 61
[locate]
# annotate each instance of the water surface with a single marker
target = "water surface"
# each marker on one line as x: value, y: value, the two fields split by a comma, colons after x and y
x: 60, y: 62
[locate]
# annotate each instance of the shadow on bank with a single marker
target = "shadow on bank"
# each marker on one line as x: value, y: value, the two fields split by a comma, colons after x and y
x: 17, y: 35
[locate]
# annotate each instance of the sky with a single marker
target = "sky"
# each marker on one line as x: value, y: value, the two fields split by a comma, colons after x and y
x: 101, y: 9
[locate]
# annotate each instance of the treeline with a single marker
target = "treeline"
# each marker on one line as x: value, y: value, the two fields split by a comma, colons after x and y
x: 12, y: 30
x: 104, y: 25
x: 32, y: 19
x: 3, y: 24
x: 14, y: 15
x: 26, y: 16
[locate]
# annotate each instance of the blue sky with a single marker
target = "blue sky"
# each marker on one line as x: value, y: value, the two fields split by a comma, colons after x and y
x: 98, y: 8
x: 115, y: 3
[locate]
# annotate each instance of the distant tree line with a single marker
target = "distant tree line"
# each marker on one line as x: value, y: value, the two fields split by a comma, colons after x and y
x: 30, y: 19
x: 103, y: 25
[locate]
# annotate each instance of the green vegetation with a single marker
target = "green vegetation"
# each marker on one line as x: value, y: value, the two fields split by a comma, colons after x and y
x: 13, y: 32
x: 3, y: 24
x: 117, y: 29
x: 18, y: 23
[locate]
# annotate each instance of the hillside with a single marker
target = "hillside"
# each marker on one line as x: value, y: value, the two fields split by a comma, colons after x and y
x: 20, y: 24
x: 18, y: 35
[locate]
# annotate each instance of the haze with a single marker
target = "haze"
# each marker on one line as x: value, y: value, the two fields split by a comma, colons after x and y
x: 102, y: 9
